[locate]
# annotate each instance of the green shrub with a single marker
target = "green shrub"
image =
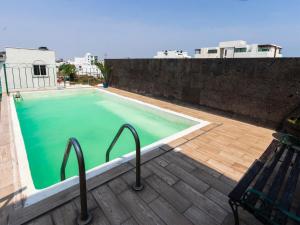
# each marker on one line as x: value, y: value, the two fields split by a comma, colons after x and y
x: 85, y: 79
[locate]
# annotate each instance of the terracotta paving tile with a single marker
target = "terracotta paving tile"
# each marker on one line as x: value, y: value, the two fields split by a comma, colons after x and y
x: 236, y: 158
x: 210, y: 126
x: 195, y: 154
x: 177, y: 142
x: 229, y: 150
x: 225, y: 169
x: 194, y: 134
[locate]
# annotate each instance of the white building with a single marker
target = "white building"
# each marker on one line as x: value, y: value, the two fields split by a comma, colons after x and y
x: 59, y: 62
x: 85, y: 65
x: 239, y: 49
x: 171, y: 54
x: 28, y: 68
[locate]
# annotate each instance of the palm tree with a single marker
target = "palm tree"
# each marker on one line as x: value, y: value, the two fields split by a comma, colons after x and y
x: 105, y: 70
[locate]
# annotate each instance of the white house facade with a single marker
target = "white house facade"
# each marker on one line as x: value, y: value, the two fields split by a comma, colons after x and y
x: 171, y: 54
x: 239, y: 49
x: 85, y: 65
x: 28, y: 68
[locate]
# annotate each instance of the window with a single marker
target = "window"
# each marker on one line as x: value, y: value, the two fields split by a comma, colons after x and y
x: 43, y: 70
x: 212, y: 51
x: 39, y: 70
x: 198, y: 51
x: 240, y: 49
x: 263, y: 49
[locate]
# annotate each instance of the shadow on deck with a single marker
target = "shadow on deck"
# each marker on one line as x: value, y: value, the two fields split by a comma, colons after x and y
x: 178, y: 190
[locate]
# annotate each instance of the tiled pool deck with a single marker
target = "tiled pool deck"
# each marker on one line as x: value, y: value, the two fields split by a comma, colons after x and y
x: 186, y: 182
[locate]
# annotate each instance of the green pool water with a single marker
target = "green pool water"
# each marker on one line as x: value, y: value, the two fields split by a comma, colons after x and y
x: 48, y: 119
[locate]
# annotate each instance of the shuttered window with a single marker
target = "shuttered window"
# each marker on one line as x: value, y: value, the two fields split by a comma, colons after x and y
x: 39, y: 70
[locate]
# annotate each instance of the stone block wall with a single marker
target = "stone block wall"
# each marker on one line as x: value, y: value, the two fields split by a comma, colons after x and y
x: 261, y: 90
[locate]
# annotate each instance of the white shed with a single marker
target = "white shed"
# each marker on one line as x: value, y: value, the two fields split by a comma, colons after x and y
x: 28, y: 68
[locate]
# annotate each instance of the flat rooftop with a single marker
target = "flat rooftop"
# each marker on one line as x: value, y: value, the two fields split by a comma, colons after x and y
x: 186, y: 181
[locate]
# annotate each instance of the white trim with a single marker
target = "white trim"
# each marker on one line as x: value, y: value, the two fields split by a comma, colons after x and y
x: 33, y: 195
x: 25, y: 175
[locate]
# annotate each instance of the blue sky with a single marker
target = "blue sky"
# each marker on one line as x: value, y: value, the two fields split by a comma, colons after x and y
x: 127, y: 28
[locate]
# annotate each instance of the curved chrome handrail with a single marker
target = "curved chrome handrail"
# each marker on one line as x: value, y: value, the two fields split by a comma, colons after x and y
x: 85, y: 217
x: 138, y: 185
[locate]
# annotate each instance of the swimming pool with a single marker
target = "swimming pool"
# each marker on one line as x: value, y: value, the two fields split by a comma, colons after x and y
x: 44, y: 121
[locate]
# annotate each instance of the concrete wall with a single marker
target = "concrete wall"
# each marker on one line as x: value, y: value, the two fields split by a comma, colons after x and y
x: 19, y: 69
x: 262, y: 90
x: 29, y: 56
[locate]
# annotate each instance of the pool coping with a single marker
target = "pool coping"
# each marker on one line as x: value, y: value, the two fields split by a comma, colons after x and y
x: 33, y: 195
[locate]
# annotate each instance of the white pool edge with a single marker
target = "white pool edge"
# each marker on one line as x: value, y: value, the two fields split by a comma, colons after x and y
x: 34, y: 195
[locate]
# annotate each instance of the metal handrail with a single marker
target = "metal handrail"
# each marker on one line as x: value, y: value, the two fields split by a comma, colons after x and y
x: 138, y: 185
x: 85, y: 217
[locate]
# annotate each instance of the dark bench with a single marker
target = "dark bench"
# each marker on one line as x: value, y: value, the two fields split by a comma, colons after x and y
x: 268, y: 190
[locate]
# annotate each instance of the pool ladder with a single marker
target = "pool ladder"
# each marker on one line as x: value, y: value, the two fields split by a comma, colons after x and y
x: 138, y: 185
x: 85, y: 217
x: 18, y: 96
